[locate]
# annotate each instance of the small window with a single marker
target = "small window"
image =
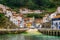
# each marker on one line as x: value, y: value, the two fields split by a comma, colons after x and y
x: 56, y: 24
x: 59, y: 23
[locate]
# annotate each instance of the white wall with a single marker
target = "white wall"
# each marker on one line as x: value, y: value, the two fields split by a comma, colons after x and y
x: 45, y: 20
x: 58, y: 9
x: 53, y: 14
x: 54, y: 24
x: 8, y: 13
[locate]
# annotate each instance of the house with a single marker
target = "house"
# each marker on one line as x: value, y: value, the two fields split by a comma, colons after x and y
x: 56, y: 22
x: 29, y: 24
x: 38, y: 23
x: 58, y: 10
x: 26, y: 11
x: 49, y: 17
x: 52, y: 15
x: 3, y: 8
x: 55, y: 13
x: 46, y: 18
x: 17, y: 19
x: 37, y: 11
x: 8, y: 13
x: 31, y: 19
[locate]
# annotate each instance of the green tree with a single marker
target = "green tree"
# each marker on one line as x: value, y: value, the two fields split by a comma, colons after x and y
x: 31, y: 4
x: 56, y: 2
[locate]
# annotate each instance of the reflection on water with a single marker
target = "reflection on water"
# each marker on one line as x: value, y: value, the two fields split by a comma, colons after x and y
x: 27, y: 37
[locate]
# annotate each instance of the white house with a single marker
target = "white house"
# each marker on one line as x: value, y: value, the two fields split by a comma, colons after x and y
x: 17, y: 20
x: 8, y: 13
x: 58, y: 10
x: 3, y: 7
x: 56, y: 22
x: 46, y: 18
x: 24, y: 10
x: 52, y: 15
x: 31, y: 19
x: 37, y: 11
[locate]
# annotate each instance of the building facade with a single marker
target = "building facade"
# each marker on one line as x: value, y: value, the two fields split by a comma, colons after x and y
x: 56, y: 22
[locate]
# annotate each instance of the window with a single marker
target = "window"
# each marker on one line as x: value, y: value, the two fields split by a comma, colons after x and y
x: 59, y: 23
x: 56, y: 24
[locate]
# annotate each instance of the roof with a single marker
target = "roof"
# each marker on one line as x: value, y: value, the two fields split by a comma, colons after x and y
x: 26, y: 19
x: 38, y: 20
x: 58, y: 16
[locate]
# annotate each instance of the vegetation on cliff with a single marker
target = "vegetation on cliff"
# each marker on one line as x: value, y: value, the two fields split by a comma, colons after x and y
x: 5, y: 23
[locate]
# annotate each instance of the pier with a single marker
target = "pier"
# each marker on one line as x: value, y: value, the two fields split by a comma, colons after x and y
x: 52, y: 32
x: 7, y: 31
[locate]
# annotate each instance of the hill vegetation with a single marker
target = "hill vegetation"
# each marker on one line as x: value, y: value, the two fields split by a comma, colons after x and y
x: 32, y: 4
x: 5, y: 23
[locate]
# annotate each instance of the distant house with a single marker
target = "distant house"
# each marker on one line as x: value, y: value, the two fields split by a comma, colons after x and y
x: 8, y: 13
x: 37, y: 11
x: 24, y: 10
x: 17, y: 19
x: 29, y: 22
x: 46, y: 18
x: 3, y: 7
x: 58, y: 10
x: 56, y: 22
x: 52, y: 15
x: 27, y: 11
x: 38, y: 23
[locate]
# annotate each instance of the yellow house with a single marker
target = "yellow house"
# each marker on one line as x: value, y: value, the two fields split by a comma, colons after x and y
x: 29, y: 24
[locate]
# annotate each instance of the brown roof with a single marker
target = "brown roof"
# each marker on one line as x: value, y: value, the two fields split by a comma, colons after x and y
x: 39, y: 20
x: 58, y: 16
x: 26, y: 19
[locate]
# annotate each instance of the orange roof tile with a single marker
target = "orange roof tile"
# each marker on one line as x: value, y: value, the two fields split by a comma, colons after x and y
x: 58, y: 16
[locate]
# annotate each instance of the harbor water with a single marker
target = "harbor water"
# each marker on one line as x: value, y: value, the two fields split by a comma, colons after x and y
x: 28, y: 37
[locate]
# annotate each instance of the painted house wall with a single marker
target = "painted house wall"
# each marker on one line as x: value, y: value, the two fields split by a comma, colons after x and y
x: 56, y: 23
x: 37, y: 11
x: 45, y: 19
x: 15, y: 21
x: 52, y: 15
x: 25, y: 11
x: 8, y: 13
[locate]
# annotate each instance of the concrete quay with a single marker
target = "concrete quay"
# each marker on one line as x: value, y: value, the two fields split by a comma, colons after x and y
x: 51, y: 32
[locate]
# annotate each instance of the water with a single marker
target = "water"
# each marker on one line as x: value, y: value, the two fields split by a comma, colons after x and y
x: 28, y: 37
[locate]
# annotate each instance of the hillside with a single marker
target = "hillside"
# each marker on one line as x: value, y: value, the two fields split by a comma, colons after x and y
x: 5, y: 23
x: 31, y: 4
x: 49, y: 6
